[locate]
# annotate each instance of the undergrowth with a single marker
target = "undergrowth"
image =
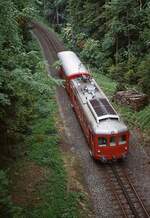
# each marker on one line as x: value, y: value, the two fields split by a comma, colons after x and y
x: 43, y: 148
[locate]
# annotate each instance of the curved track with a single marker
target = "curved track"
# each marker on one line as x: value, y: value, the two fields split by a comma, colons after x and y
x: 49, y: 44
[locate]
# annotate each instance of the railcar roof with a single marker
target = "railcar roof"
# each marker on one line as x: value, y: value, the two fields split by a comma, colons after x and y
x: 71, y: 63
x: 101, y: 116
x: 109, y: 126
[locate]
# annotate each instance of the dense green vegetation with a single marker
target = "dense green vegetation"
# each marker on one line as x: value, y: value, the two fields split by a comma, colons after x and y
x: 112, y: 36
x: 29, y: 139
x: 18, y: 81
x: 49, y: 183
x: 42, y: 148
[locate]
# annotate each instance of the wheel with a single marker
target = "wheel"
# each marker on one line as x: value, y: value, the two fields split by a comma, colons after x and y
x: 122, y: 159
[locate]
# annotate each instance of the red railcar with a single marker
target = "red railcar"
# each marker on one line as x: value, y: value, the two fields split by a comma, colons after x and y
x: 107, y: 135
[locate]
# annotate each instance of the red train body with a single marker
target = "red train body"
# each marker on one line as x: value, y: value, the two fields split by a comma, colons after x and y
x: 107, y: 135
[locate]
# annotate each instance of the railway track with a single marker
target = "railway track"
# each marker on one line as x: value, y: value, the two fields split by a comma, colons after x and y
x: 48, y: 40
x: 49, y: 43
x: 124, y: 191
x: 128, y: 199
x: 49, y: 37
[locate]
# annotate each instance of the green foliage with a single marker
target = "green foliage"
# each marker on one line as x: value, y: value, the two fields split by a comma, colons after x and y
x: 143, y: 74
x: 122, y: 30
x: 42, y: 148
x: 107, y: 85
x: 91, y: 54
x: 9, y: 36
x: 4, y: 193
x: 68, y: 36
x: 54, y: 11
x: 116, y: 37
x: 6, y: 206
x: 144, y: 118
x: 22, y: 74
x: 85, y: 16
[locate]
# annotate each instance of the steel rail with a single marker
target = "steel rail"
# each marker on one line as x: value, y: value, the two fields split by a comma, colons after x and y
x: 136, y: 194
x: 47, y: 37
x: 133, y: 209
x: 119, y: 202
x: 51, y: 42
x: 126, y: 194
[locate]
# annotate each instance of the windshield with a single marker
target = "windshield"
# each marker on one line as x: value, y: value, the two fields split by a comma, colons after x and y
x: 122, y: 139
x: 112, y: 141
x: 102, y: 141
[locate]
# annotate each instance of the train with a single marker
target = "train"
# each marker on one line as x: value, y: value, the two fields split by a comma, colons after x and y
x: 106, y: 134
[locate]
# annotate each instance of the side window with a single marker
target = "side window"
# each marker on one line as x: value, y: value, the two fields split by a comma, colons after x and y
x: 112, y: 141
x: 122, y: 139
x: 102, y: 141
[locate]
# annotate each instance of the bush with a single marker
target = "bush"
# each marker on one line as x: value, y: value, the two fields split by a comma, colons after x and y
x: 68, y: 36
x: 91, y: 53
x: 143, y: 73
x: 5, y: 202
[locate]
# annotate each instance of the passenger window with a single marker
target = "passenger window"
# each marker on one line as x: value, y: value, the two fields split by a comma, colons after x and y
x: 122, y: 139
x: 112, y: 141
x: 102, y: 141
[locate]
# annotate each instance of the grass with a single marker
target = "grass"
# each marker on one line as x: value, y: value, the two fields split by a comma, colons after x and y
x: 41, y: 174
x: 107, y: 85
x: 133, y: 119
x: 43, y: 149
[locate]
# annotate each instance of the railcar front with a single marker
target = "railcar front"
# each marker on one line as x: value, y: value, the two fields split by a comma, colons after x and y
x: 111, y: 140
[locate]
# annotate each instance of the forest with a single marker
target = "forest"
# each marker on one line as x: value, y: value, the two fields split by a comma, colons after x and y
x: 111, y: 36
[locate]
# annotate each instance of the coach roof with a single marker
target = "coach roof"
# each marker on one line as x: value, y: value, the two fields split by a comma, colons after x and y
x: 71, y: 63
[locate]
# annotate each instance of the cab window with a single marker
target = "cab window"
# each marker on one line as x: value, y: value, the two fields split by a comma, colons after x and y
x: 122, y: 139
x: 112, y: 141
x: 102, y: 141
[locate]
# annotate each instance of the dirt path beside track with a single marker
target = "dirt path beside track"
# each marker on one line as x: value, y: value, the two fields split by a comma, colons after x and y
x: 73, y: 141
